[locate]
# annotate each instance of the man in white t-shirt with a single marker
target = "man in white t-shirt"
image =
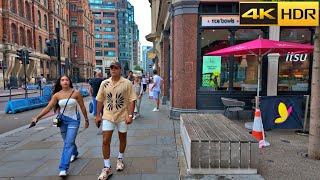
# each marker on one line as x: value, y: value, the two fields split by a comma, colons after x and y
x: 157, y: 82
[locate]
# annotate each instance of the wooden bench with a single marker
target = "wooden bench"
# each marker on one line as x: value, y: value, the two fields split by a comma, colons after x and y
x: 213, y: 144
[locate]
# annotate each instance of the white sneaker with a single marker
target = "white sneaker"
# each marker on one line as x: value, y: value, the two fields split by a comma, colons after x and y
x: 134, y: 117
x: 155, y: 110
x: 62, y: 173
x: 105, y: 173
x: 73, y: 158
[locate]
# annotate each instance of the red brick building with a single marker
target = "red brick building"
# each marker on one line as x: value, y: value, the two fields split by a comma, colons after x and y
x: 81, y: 29
x: 28, y: 24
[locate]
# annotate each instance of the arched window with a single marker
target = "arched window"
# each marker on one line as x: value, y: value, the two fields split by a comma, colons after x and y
x: 13, y: 33
x: 39, y: 19
x: 29, y: 38
x: 22, y: 37
x: 40, y: 44
x: 74, y: 37
x: 45, y: 22
x: 21, y: 8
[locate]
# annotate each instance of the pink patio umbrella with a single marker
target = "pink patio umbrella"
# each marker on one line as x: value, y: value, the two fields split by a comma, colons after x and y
x: 261, y: 47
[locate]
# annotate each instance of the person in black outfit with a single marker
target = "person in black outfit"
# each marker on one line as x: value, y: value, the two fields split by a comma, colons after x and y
x: 93, y: 90
x: 131, y: 77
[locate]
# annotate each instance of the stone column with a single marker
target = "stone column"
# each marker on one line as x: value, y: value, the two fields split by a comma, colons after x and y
x: 273, y: 63
x: 184, y: 61
x: 164, y: 66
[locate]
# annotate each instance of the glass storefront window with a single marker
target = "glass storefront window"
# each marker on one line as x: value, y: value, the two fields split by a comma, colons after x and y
x: 215, y: 69
x: 294, y: 70
x: 245, y: 74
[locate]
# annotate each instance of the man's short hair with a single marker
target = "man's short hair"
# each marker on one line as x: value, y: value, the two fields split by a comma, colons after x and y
x: 130, y: 71
x: 155, y: 71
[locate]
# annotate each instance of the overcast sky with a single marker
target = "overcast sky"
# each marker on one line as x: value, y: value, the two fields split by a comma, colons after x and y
x: 142, y: 17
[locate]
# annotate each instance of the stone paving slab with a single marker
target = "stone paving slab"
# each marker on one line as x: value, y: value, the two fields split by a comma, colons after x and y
x: 19, y: 168
x: 25, y: 155
x: 160, y: 176
x: 145, y: 165
x: 166, y: 140
x: 37, y: 145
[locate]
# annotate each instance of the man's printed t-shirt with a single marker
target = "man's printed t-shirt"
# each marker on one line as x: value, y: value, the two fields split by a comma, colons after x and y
x: 117, y: 98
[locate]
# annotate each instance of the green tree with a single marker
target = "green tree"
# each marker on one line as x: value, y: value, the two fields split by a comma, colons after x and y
x: 137, y: 68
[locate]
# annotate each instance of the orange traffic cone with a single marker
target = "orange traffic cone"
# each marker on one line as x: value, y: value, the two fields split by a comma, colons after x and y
x: 258, y: 131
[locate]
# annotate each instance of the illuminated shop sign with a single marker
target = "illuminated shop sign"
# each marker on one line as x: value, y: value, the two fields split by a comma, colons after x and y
x: 227, y: 20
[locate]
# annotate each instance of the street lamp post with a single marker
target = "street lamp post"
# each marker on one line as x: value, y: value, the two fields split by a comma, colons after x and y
x: 4, y: 80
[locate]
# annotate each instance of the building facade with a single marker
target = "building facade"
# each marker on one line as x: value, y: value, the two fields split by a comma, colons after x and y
x: 82, y: 39
x: 114, y: 33
x: 147, y: 62
x: 106, y: 34
x: 126, y: 34
x: 28, y: 24
x: 136, y: 47
x: 181, y: 58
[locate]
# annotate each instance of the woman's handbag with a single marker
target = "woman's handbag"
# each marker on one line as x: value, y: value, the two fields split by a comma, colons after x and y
x: 57, y: 121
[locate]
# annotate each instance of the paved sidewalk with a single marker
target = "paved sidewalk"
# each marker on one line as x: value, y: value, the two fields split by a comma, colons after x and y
x: 151, y: 150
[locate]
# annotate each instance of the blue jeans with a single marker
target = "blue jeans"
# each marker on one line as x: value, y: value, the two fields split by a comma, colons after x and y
x: 69, y: 129
x: 94, y: 103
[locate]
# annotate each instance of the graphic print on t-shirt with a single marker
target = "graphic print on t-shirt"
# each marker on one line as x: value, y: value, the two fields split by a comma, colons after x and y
x: 109, y: 101
x: 119, y: 101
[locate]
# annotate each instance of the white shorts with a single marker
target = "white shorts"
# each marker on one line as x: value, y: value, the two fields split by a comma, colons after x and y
x: 110, y: 126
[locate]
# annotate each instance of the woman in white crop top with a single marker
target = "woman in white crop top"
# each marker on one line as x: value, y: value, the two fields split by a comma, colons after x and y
x: 66, y: 100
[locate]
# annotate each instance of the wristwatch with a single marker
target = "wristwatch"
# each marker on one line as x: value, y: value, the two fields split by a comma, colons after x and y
x: 130, y: 115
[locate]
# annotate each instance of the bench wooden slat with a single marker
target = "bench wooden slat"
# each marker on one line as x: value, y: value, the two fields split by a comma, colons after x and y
x: 195, y: 154
x: 214, y: 154
x: 217, y: 132
x: 185, y: 119
x: 245, y: 155
x: 254, y: 151
x: 227, y: 131
x: 202, y: 135
x: 211, y: 135
x: 240, y: 133
x: 223, y: 128
x: 191, y: 132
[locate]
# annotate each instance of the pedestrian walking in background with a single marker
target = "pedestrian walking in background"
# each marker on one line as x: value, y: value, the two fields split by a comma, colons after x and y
x: 66, y: 99
x: 130, y: 77
x: 157, y: 82
x: 144, y: 82
x: 138, y: 89
x: 93, y: 90
x: 32, y: 81
x: 120, y: 102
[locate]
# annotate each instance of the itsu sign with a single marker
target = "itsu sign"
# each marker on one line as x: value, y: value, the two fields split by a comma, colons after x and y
x: 227, y: 20
x: 296, y: 57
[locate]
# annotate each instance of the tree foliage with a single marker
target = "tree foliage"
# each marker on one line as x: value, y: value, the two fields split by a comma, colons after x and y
x: 137, y: 68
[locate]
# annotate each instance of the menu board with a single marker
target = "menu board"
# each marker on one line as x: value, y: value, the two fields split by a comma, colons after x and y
x: 211, y: 70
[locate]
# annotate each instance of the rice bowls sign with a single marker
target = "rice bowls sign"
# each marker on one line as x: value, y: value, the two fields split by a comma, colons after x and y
x: 227, y: 20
